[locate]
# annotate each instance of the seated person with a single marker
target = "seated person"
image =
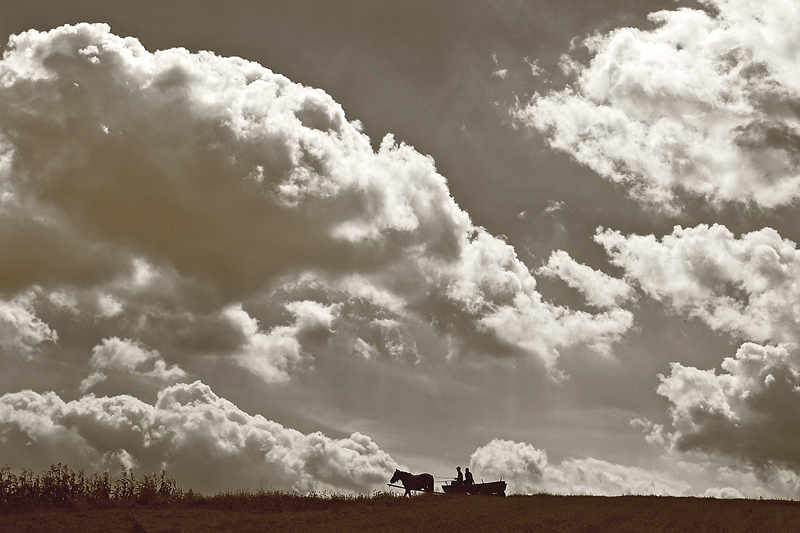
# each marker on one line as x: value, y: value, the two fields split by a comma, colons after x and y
x: 468, y: 477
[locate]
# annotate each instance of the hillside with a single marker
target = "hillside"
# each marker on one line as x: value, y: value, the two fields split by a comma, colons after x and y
x: 428, y: 513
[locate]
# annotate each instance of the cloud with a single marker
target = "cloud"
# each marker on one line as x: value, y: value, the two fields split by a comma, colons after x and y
x: 271, y: 355
x: 536, y: 70
x: 20, y: 329
x: 747, y: 286
x: 128, y: 357
x: 261, y: 176
x: 187, y: 184
x: 705, y: 103
x: 526, y: 469
x: 727, y: 493
x: 599, y: 289
x: 501, y: 73
x: 749, y: 412
x: 91, y: 380
x: 554, y: 206
x: 204, y: 441
x: 493, y: 288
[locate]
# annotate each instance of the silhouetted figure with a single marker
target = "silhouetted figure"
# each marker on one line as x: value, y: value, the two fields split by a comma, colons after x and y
x: 459, y: 476
x: 468, y: 477
x: 421, y: 482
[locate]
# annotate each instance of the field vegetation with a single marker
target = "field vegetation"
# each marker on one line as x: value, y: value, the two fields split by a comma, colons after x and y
x: 61, y: 500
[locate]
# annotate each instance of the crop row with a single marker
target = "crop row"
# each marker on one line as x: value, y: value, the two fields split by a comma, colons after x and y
x: 60, y: 485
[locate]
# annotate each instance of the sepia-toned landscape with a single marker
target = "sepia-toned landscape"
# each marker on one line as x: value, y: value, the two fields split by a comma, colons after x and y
x: 67, y: 503
x: 294, y: 250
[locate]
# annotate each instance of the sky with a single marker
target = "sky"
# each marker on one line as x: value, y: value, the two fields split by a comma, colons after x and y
x: 295, y: 245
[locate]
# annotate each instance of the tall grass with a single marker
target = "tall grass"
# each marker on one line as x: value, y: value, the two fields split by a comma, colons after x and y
x: 59, y: 485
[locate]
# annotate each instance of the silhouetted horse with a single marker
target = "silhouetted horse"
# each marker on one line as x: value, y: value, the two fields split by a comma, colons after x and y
x: 423, y: 482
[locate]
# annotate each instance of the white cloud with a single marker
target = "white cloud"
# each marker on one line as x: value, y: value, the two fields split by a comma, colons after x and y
x: 271, y: 355
x: 599, y: 289
x: 726, y: 493
x: 704, y: 103
x: 129, y: 357
x: 554, y: 206
x: 109, y: 306
x: 20, y: 329
x: 205, y: 441
x: 242, y: 174
x: 493, y: 288
x: 527, y: 469
x: 536, y: 70
x: 173, y: 185
x: 365, y: 320
x: 91, y: 380
x: 749, y: 412
x: 748, y: 286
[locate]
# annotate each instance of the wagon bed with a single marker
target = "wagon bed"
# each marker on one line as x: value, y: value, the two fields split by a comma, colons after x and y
x: 493, y: 488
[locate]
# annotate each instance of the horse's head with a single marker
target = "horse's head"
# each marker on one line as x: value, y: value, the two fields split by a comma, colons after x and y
x: 395, y: 477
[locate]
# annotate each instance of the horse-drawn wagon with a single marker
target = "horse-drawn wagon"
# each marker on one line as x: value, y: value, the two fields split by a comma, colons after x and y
x: 424, y: 483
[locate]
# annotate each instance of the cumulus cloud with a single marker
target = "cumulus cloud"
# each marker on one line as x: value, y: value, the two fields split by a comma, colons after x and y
x: 20, y: 329
x: 181, y: 184
x: 271, y: 355
x: 205, y: 441
x: 747, y: 286
x: 704, y: 103
x: 496, y: 290
x: 527, y: 469
x: 242, y: 173
x: 131, y: 358
x: 599, y: 289
x: 748, y: 412
x: 720, y: 493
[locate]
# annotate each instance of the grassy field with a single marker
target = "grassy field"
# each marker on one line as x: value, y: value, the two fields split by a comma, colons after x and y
x: 439, y: 513
x: 64, y: 501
